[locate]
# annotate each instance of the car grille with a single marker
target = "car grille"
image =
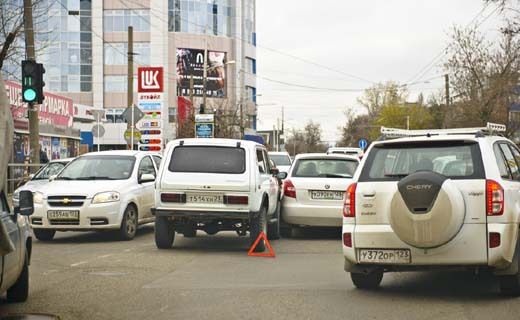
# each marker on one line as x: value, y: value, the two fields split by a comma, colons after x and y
x: 66, y: 201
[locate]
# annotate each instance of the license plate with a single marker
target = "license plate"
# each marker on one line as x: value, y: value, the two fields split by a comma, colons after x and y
x: 63, y: 215
x: 385, y: 256
x: 327, y: 195
x: 198, y: 198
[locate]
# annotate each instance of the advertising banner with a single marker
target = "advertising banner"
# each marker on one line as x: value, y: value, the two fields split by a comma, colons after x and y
x: 190, y: 63
x: 55, y: 110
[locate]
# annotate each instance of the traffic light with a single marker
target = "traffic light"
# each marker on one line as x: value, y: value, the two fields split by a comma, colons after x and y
x: 32, y: 81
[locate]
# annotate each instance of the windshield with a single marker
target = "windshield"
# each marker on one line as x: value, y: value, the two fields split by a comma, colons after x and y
x: 208, y: 159
x: 51, y: 169
x: 280, y: 159
x: 324, y: 168
x: 99, y: 168
x: 452, y: 159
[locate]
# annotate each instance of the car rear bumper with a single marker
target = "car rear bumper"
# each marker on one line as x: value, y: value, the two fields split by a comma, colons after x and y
x: 468, y: 248
x: 91, y: 217
x: 202, y: 214
x: 311, y: 215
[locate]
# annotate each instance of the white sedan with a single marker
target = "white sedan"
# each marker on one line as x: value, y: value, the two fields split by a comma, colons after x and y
x: 110, y: 190
x: 314, y: 190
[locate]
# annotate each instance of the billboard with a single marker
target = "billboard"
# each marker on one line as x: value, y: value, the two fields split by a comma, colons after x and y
x: 150, y: 79
x: 190, y: 63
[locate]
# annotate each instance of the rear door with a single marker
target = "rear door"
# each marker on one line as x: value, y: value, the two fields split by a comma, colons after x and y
x: 205, y: 173
x: 12, y: 260
x: 388, y: 163
x: 268, y: 184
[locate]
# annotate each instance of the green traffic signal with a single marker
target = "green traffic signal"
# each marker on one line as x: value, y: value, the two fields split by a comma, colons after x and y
x: 29, y: 95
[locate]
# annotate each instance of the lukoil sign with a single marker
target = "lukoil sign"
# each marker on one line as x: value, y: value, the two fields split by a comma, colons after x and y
x: 150, y: 79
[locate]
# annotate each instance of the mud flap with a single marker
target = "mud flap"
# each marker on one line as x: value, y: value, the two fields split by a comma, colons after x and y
x: 513, y: 267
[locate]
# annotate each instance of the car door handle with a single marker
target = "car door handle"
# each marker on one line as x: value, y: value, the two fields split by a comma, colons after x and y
x: 369, y: 194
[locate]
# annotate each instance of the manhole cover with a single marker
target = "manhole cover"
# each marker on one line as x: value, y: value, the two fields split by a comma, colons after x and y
x: 30, y: 316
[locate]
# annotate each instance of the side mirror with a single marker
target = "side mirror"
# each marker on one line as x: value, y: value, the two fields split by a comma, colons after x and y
x: 282, y: 175
x: 52, y: 178
x: 275, y: 171
x: 146, y: 177
x: 25, y: 203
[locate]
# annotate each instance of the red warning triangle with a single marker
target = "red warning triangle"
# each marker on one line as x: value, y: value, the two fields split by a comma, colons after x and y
x: 251, y: 252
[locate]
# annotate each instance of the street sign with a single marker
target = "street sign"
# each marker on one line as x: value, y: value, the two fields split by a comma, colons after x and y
x: 128, y: 136
x: 363, y: 143
x: 127, y: 115
x: 98, y: 131
x: 204, y: 118
x: 204, y: 130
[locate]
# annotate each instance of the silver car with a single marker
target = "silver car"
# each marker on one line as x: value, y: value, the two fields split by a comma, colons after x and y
x: 15, y: 247
x: 314, y: 190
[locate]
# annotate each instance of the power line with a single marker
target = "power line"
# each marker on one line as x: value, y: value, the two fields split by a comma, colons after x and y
x: 430, y: 65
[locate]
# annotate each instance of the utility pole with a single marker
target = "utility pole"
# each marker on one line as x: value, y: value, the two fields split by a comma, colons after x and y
x: 205, y: 72
x: 447, y: 84
x: 130, y: 81
x: 34, y: 124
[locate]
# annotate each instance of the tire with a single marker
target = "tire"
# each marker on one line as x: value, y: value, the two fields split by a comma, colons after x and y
x: 368, y: 281
x: 128, y: 228
x: 164, y: 233
x: 19, y: 292
x: 273, y: 229
x: 258, y: 224
x: 44, y: 234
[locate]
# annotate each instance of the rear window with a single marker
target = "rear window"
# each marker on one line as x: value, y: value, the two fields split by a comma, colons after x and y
x: 453, y: 159
x: 208, y: 159
x: 324, y: 168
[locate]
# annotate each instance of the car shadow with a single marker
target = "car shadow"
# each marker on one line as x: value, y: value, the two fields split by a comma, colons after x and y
x: 221, y: 242
x: 95, y: 236
x: 456, y: 286
x: 316, y: 233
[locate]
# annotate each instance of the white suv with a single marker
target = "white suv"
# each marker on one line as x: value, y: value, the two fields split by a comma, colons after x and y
x: 435, y: 199
x: 216, y: 185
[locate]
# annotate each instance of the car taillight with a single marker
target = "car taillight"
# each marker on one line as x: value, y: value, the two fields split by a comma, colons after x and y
x: 288, y: 189
x: 494, y: 239
x: 349, y: 208
x: 347, y: 240
x: 236, y: 200
x: 173, y: 197
x: 494, y: 198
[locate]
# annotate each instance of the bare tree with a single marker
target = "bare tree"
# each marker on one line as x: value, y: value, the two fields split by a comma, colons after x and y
x: 484, y: 77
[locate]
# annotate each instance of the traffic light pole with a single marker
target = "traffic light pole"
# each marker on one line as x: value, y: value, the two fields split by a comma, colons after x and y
x: 34, y: 125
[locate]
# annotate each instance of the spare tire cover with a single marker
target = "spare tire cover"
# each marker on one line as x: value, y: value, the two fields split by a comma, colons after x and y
x: 427, y: 211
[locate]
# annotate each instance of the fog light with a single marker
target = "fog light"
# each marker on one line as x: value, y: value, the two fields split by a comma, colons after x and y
x: 494, y: 239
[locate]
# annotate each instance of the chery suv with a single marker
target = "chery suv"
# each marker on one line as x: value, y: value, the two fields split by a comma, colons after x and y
x: 435, y: 199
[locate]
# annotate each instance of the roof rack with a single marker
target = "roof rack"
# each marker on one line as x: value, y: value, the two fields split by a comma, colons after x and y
x: 489, y: 129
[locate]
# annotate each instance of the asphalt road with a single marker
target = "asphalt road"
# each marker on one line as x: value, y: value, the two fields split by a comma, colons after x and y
x: 94, y: 276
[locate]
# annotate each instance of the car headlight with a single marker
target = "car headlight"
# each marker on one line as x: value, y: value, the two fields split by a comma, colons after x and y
x: 105, y: 197
x: 37, y: 197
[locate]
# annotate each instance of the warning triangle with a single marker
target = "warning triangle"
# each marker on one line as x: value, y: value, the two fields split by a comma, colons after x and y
x: 251, y: 252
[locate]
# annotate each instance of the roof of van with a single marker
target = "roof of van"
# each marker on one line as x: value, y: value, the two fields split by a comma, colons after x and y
x: 215, y: 142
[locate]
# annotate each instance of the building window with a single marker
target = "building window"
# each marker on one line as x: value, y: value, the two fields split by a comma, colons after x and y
x: 202, y: 16
x: 120, y: 20
x: 250, y: 65
x: 251, y: 94
x: 117, y: 83
x: 115, y: 115
x: 115, y: 53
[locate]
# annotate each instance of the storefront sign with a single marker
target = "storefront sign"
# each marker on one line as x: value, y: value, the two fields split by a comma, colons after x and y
x: 56, y: 110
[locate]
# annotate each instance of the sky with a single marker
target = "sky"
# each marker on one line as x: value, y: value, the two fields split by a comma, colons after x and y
x: 314, y: 58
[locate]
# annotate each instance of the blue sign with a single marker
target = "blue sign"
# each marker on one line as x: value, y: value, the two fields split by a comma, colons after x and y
x: 204, y: 130
x: 363, y: 143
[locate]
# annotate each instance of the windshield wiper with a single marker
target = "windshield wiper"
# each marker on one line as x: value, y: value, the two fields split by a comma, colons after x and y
x: 94, y: 178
